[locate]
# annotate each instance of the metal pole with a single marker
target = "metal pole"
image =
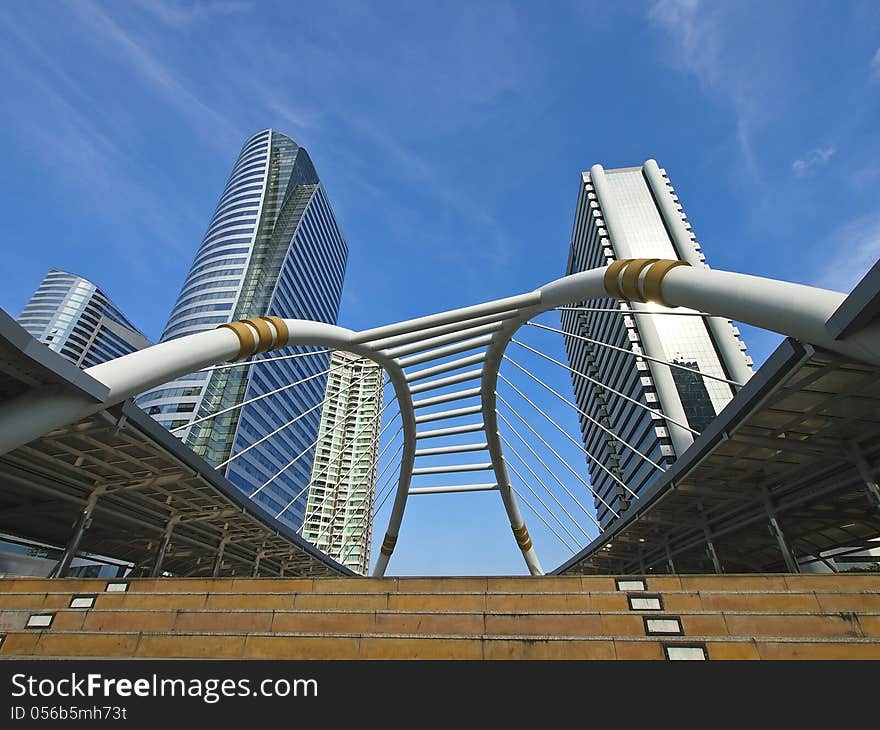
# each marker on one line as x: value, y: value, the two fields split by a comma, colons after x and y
x: 156, y: 570
x: 82, y: 524
x: 219, y: 559
x: 871, y: 487
x: 776, y: 530
x: 669, y: 561
x: 713, y: 555
x: 710, y: 545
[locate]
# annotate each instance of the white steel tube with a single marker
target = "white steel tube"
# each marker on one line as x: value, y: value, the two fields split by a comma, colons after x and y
x: 443, y: 382
x: 600, y: 384
x: 446, y: 367
x: 519, y: 476
x: 563, y: 461
x: 454, y: 489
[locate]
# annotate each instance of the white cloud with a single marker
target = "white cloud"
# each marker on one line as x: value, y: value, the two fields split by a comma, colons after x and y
x: 875, y: 65
x: 178, y: 15
x: 695, y: 33
x: 818, y: 156
x: 856, y: 248
x: 201, y: 116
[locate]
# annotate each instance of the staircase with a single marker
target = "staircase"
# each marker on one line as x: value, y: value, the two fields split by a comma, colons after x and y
x: 592, y: 617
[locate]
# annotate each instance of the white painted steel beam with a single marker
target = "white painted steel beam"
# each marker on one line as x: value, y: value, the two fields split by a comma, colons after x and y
x: 451, y: 431
x: 454, y: 489
x: 458, y: 449
x: 443, y: 382
x: 447, y: 398
x: 452, y: 469
x: 445, y: 367
x: 790, y: 309
x: 443, y: 415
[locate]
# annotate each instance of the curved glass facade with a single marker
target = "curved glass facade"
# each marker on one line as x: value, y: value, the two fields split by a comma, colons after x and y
x: 272, y: 247
x: 76, y: 319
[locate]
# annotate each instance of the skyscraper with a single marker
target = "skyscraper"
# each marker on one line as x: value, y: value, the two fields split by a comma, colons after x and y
x: 343, y: 480
x: 273, y: 247
x: 75, y: 318
x: 633, y: 213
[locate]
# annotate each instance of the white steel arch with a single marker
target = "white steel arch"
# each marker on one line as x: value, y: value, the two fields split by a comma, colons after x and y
x: 476, y: 338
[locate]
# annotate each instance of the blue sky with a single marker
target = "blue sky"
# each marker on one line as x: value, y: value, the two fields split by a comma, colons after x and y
x: 450, y: 137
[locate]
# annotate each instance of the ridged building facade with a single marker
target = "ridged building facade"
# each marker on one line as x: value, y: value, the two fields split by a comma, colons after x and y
x: 634, y: 213
x: 273, y: 247
x: 73, y: 317
x: 343, y: 480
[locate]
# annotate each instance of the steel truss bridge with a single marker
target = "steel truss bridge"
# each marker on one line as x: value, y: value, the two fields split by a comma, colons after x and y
x: 453, y: 360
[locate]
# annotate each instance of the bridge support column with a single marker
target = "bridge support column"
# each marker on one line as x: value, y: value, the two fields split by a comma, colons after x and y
x: 82, y: 524
x: 156, y: 570
x: 710, y: 544
x: 871, y: 488
x: 713, y: 554
x: 218, y: 561
x: 256, y: 571
x: 670, y: 563
x: 791, y: 563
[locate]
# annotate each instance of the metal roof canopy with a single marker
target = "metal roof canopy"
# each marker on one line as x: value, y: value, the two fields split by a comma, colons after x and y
x: 790, y: 440
x: 800, y: 441
x: 27, y: 364
x: 149, y: 476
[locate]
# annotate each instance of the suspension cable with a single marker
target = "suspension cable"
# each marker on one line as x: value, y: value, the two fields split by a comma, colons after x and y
x: 371, y: 516
x: 342, y: 506
x: 255, y: 399
x: 584, y: 414
x: 298, y: 456
x: 555, y: 453
x: 734, y: 383
x: 354, y: 465
x: 330, y: 463
x: 510, y: 446
x: 540, y: 517
x: 600, y: 384
x: 549, y: 470
x: 544, y: 505
x: 260, y: 360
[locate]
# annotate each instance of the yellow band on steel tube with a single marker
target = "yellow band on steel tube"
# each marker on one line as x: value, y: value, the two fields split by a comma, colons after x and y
x: 522, y: 537
x: 388, y: 544
x: 629, y: 282
x: 281, y: 329
x: 248, y: 344
x: 654, y: 278
x: 612, y: 278
x: 264, y: 330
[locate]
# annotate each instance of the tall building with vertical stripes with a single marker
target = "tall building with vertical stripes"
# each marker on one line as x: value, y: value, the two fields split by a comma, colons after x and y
x: 338, y: 515
x: 273, y: 247
x: 72, y: 316
x: 630, y: 213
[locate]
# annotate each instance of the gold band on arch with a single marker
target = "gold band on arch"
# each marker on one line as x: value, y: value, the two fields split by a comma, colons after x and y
x: 622, y: 279
x: 255, y: 335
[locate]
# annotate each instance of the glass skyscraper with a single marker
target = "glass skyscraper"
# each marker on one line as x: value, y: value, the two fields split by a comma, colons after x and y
x: 344, y: 470
x: 273, y: 247
x: 76, y: 319
x: 633, y: 213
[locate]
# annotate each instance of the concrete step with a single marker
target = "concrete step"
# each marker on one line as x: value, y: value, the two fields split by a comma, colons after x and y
x: 464, y: 624
x: 515, y: 584
x: 639, y: 617
x: 65, y: 644
x: 754, y: 601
